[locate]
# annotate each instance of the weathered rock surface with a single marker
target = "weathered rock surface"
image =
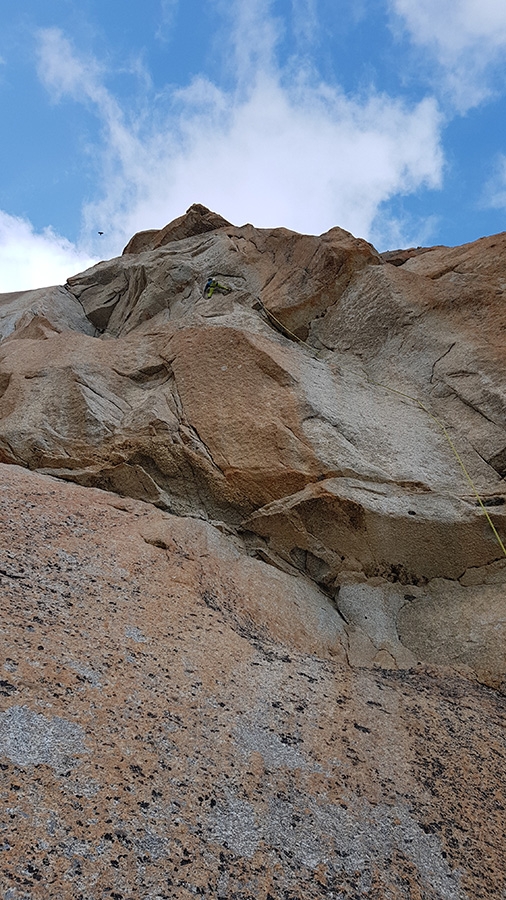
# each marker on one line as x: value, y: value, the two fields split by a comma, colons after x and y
x: 305, y: 438
x: 179, y: 721
x: 298, y: 541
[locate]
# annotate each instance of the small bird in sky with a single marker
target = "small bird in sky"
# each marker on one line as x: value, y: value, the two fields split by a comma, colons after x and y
x: 100, y: 232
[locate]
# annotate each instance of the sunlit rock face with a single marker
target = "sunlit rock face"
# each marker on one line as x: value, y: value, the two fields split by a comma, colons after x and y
x: 254, y: 614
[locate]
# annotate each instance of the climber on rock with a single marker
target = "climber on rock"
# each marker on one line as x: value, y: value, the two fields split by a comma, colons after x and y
x: 213, y: 286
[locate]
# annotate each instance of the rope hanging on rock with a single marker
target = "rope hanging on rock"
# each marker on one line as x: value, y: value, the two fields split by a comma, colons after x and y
x: 286, y: 331
x: 259, y: 305
x: 455, y: 452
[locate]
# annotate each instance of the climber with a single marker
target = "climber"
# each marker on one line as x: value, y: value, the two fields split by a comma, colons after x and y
x: 212, y: 285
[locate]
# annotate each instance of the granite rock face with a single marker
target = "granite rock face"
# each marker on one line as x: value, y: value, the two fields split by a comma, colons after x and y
x: 255, y: 618
x: 286, y: 409
x: 177, y: 720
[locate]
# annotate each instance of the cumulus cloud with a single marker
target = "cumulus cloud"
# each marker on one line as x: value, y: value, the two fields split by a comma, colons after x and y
x: 300, y: 153
x: 31, y: 260
x: 466, y: 37
x: 308, y: 158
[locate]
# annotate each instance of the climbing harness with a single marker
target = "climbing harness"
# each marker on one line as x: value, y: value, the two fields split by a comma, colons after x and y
x: 212, y: 286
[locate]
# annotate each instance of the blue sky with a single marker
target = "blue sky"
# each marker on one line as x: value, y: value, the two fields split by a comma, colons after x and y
x: 385, y: 117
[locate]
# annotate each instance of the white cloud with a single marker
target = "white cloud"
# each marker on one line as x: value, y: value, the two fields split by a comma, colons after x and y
x: 309, y: 159
x: 494, y: 193
x: 455, y: 26
x: 252, y: 35
x: 64, y: 72
x: 31, y: 260
x: 168, y: 10
x: 466, y: 37
x: 389, y: 232
x: 305, y: 19
x: 305, y: 156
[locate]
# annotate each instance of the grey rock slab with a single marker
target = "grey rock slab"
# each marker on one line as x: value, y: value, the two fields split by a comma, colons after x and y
x: 28, y: 738
x: 54, y: 307
x: 452, y: 624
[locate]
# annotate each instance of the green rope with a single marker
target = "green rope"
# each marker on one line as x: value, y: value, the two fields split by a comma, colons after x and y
x: 288, y: 333
x: 456, y: 453
x: 283, y: 329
